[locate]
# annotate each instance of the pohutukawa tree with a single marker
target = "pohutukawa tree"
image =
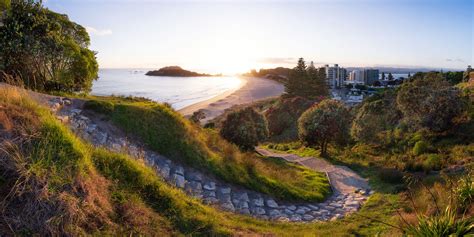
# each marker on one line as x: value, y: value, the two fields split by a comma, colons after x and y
x: 328, y: 122
x: 430, y: 102
x: 245, y: 128
x: 45, y: 49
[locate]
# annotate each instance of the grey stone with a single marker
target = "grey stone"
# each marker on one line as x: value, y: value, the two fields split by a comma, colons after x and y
x: 336, y: 217
x: 228, y: 206
x: 295, y: 218
x: 165, y: 171
x: 258, y: 202
x: 242, y: 196
x: 195, y: 176
x: 301, y: 211
x: 210, y: 186
x: 224, y: 190
x: 271, y: 203
x: 274, y: 213
x: 91, y: 128
x: 308, y: 217
x: 258, y: 211
x: 210, y: 200
x: 292, y: 207
x: 289, y: 212
x: 179, y: 170
x: 224, y: 197
x: 336, y: 205
x: 330, y: 208
x: 178, y: 180
x: 283, y: 219
x: 244, y: 211
x: 243, y: 205
x: 196, y: 186
x: 209, y: 194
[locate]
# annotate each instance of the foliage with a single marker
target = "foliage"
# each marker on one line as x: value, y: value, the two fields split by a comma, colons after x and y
x: 245, y: 128
x: 376, y: 114
x: 4, y: 4
x: 420, y: 147
x: 45, y: 49
x: 430, y: 102
x: 283, y: 116
x: 99, y: 106
x: 465, y: 191
x: 392, y: 176
x: 197, y: 116
x: 445, y: 224
x: 325, y: 123
x: 307, y: 82
x: 165, y: 131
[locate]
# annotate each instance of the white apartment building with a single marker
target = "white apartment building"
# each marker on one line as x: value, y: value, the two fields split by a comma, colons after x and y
x: 335, y: 75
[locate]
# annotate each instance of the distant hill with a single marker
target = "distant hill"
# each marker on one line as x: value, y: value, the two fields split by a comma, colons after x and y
x: 175, y: 71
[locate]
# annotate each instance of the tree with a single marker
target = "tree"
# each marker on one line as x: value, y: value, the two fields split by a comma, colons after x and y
x: 383, y: 76
x: 327, y: 122
x: 375, y: 115
x: 245, y: 128
x: 45, y: 49
x: 430, y: 102
x: 307, y: 82
x: 390, y: 76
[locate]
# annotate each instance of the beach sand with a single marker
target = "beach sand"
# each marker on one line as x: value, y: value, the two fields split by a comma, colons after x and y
x: 252, y: 89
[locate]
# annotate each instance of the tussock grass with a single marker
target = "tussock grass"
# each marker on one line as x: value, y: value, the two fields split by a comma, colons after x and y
x: 167, y: 132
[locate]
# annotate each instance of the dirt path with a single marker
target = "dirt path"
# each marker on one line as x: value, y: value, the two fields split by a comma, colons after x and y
x: 343, y: 180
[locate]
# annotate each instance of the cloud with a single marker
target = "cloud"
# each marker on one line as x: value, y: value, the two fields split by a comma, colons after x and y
x: 455, y: 60
x: 94, y: 31
x: 279, y: 60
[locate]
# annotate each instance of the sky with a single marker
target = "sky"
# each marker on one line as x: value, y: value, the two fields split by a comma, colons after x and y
x: 235, y: 36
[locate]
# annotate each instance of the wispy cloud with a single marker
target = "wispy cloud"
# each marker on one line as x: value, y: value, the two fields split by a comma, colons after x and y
x: 279, y: 60
x: 97, y: 32
x: 455, y: 60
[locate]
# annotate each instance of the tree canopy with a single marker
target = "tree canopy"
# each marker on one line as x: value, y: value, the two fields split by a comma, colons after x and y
x: 430, y: 102
x: 46, y: 50
x: 327, y: 122
x: 245, y: 128
x: 307, y: 82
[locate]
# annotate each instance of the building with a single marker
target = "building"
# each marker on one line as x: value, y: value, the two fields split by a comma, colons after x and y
x: 366, y: 76
x: 335, y: 76
x: 371, y: 76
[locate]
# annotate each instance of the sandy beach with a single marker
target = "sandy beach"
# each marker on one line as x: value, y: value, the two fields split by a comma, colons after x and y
x: 252, y: 89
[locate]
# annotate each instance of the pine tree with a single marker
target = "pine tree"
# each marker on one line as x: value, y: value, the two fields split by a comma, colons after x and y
x: 307, y: 82
x: 383, y: 76
x: 390, y: 76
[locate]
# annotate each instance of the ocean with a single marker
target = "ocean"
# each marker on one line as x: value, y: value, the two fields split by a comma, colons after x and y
x: 177, y: 91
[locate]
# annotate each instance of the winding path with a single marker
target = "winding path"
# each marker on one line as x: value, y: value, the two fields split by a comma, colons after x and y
x: 208, y: 188
x: 342, y: 179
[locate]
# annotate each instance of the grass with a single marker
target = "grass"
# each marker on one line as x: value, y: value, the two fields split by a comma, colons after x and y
x: 167, y: 132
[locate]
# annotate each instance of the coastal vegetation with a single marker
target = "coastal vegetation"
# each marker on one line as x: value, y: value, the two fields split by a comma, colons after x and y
x: 175, y: 71
x: 44, y: 50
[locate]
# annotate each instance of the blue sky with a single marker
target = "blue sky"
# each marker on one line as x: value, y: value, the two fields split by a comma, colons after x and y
x: 235, y: 36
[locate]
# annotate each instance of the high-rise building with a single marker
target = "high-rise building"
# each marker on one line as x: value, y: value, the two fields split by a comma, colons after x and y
x: 365, y: 76
x: 371, y: 76
x: 335, y: 75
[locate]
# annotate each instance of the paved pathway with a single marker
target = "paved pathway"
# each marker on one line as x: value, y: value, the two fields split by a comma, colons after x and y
x: 343, y: 180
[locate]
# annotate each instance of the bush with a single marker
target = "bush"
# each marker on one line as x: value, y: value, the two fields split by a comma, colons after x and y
x: 99, y: 106
x: 430, y: 102
x: 392, y: 176
x: 465, y: 191
x: 328, y: 122
x: 283, y: 116
x: 245, y: 128
x: 420, y: 147
x: 432, y: 162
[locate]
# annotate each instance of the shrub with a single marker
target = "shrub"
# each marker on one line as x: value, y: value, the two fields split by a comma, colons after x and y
x: 99, y: 106
x: 283, y: 116
x: 447, y: 223
x: 245, y: 128
x: 430, y: 102
x: 432, y: 162
x: 327, y: 122
x: 420, y: 147
x: 392, y: 176
x: 465, y: 191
